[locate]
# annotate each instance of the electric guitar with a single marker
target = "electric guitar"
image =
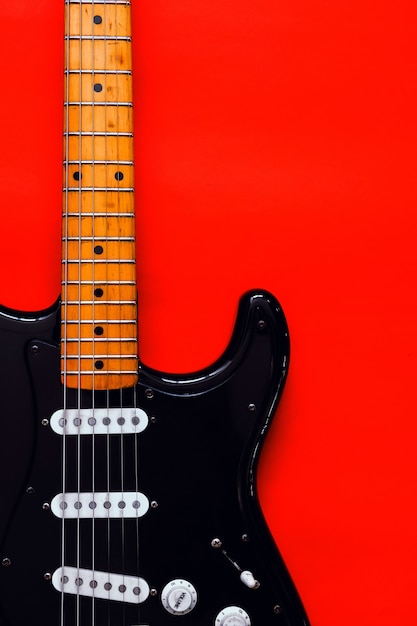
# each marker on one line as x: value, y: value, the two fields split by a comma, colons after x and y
x: 128, y: 494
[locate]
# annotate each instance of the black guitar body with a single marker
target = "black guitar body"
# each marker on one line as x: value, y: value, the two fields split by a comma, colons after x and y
x: 195, y: 462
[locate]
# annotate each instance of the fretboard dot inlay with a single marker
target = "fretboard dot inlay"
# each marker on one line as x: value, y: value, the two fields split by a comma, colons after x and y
x: 98, y: 87
x: 99, y: 330
x: 99, y: 365
x: 119, y: 176
x: 98, y: 249
x: 98, y: 292
x: 77, y: 175
x: 97, y: 19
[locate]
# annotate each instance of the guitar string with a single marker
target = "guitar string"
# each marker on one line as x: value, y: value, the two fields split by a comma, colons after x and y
x: 79, y: 376
x: 108, y: 439
x: 93, y: 279
x: 135, y: 390
x: 117, y: 98
x: 64, y: 306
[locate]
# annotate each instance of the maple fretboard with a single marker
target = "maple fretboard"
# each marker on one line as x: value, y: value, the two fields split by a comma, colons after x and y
x: 99, y: 316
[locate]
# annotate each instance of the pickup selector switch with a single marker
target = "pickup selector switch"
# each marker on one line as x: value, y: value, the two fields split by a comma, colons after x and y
x: 232, y: 616
x: 179, y: 597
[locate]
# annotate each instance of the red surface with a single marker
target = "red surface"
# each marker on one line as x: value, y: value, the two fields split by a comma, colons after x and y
x: 275, y: 148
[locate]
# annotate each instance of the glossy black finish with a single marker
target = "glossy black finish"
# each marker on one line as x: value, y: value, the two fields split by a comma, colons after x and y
x: 197, y: 459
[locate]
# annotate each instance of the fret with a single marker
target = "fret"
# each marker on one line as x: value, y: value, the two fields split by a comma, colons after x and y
x: 88, y: 311
x: 93, y: 282
x: 99, y: 339
x: 95, y: 134
x: 116, y: 322
x: 115, y: 20
x: 95, y: 163
x: 102, y: 121
x: 99, y: 356
x: 109, y: 351
x: 93, y: 189
x: 98, y: 238
x: 90, y: 103
x: 99, y: 89
x: 103, y: 2
x: 99, y: 381
x: 96, y: 38
x: 96, y: 261
x: 97, y: 214
x: 102, y: 204
x: 101, y: 147
x: 99, y: 272
x: 113, y: 251
x: 115, y: 293
x: 101, y: 53
x: 98, y: 302
x: 93, y: 72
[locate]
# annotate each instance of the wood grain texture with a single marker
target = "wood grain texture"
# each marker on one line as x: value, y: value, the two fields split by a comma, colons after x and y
x: 99, y: 329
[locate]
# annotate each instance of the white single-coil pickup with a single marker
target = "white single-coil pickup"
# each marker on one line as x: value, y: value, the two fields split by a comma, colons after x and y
x: 113, y: 505
x: 110, y: 421
x: 94, y: 584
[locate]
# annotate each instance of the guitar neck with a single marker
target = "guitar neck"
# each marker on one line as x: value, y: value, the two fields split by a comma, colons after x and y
x: 99, y: 328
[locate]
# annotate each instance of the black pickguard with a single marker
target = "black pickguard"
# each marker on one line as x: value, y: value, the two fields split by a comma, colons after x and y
x: 196, y: 459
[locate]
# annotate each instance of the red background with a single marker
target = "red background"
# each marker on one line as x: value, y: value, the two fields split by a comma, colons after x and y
x: 275, y: 148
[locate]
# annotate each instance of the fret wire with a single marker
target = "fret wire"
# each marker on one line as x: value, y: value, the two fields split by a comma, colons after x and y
x: 98, y: 238
x: 118, y: 189
x: 100, y: 321
x: 99, y: 103
x: 98, y: 162
x: 105, y: 372
x: 100, y: 339
x: 103, y: 2
x: 95, y: 38
x: 95, y: 134
x: 102, y: 214
x: 101, y: 261
x: 98, y: 282
x: 100, y: 356
x: 95, y: 72
x: 70, y: 302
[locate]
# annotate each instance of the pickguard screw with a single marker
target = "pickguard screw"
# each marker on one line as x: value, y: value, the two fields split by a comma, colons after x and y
x: 245, y: 537
x: 216, y: 543
x: 45, y: 422
x: 149, y: 394
x: 46, y: 506
x: 30, y: 491
x: 6, y: 562
x: 154, y: 504
x: 277, y: 609
x: 252, y: 407
x: 153, y: 593
x: 47, y: 576
x: 261, y: 325
x: 35, y: 349
x: 153, y: 420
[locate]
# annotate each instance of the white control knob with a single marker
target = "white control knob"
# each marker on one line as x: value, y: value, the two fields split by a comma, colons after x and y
x: 232, y: 616
x: 179, y: 597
